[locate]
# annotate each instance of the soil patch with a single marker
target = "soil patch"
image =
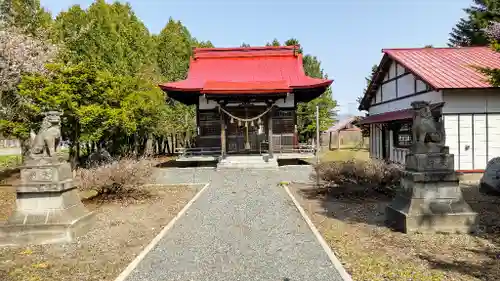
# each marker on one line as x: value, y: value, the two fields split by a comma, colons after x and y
x: 352, y: 222
x: 123, y: 228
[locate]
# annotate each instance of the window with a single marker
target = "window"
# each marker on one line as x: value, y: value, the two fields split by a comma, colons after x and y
x: 209, y: 123
x: 283, y: 121
x: 402, y: 135
x: 283, y: 113
x: 209, y: 116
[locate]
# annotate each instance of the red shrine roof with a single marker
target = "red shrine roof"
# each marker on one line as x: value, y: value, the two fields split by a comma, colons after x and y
x: 246, y: 70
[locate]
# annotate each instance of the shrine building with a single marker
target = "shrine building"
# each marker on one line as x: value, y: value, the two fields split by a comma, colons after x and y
x: 246, y: 98
x: 447, y: 77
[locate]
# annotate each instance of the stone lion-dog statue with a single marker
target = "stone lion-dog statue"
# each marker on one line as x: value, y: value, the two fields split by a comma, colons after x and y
x: 425, y: 129
x: 46, y: 142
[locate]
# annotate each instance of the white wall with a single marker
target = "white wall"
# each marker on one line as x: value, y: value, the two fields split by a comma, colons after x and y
x: 203, y: 103
x: 471, y: 101
x: 286, y: 102
x: 396, y: 90
x: 472, y: 123
x: 405, y: 103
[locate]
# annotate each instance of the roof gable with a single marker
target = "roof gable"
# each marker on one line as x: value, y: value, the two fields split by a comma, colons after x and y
x: 440, y: 68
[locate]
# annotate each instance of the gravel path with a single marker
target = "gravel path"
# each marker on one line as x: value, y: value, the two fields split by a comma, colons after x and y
x: 244, y: 227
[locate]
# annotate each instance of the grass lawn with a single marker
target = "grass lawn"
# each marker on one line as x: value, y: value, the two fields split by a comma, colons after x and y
x: 341, y: 155
x: 9, y: 161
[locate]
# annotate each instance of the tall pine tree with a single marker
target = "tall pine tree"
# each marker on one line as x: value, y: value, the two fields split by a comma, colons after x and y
x: 469, y: 31
x: 368, y: 81
x: 108, y: 36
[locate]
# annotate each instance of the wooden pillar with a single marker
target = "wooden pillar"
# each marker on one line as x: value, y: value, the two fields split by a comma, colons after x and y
x: 270, y: 131
x: 222, y: 135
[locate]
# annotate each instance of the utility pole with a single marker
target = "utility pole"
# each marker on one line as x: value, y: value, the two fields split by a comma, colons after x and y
x: 317, y: 145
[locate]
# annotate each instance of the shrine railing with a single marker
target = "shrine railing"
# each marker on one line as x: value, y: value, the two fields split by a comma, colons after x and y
x: 197, y: 151
x: 398, y: 155
x: 216, y: 151
x: 283, y: 149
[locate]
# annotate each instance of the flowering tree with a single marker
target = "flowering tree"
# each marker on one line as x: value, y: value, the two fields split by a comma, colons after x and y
x: 19, y: 54
x: 493, y: 32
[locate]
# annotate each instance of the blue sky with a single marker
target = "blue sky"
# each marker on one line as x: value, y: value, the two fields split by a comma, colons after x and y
x: 347, y: 36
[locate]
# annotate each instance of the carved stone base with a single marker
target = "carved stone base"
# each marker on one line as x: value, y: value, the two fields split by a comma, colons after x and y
x: 430, y: 203
x: 429, y: 147
x: 430, y: 162
x: 48, y: 208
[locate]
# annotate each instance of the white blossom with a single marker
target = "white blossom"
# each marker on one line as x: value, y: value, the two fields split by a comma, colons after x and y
x: 19, y: 54
x: 493, y: 31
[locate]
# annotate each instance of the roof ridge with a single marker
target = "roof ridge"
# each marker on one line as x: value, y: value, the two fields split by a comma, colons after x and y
x: 434, y: 48
x: 246, y: 49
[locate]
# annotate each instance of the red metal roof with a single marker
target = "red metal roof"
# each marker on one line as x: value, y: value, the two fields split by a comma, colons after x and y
x: 403, y: 114
x: 253, y: 70
x: 388, y: 116
x: 447, y: 68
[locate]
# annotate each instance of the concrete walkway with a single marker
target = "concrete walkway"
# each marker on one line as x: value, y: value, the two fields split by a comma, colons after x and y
x: 243, y: 227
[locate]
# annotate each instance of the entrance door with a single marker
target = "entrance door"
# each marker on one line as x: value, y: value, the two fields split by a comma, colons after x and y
x: 239, y: 133
x: 385, y: 143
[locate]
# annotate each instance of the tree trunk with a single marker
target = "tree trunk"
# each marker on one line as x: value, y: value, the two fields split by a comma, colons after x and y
x: 148, y: 149
x: 155, y: 145
x: 75, y: 149
x: 136, y: 145
x: 25, y: 148
x: 168, y: 146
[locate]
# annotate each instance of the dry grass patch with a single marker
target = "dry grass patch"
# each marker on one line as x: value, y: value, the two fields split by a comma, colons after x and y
x: 119, y: 180
x: 344, y: 155
x: 122, y: 230
x: 352, y: 222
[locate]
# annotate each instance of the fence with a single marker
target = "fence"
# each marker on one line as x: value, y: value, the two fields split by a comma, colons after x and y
x: 9, y: 143
x: 343, y: 140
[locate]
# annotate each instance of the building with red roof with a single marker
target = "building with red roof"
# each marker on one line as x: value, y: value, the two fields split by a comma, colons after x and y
x: 246, y: 97
x: 447, y: 77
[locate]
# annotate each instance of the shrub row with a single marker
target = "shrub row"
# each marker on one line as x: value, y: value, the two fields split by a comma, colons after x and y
x: 369, y: 173
x: 117, y: 177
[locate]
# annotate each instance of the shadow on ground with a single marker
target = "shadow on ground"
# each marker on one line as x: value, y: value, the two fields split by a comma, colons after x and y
x: 351, y: 203
x: 487, y: 206
x: 289, y: 162
x: 9, y: 175
x: 359, y: 205
x: 186, y: 164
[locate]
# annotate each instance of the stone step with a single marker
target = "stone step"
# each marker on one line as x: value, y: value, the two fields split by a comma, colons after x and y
x: 247, y: 162
x: 245, y: 167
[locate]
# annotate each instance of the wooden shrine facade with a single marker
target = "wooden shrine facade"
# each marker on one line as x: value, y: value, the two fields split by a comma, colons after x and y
x: 246, y: 98
x: 247, y: 126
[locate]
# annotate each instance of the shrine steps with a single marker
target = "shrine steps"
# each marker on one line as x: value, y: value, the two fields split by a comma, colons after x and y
x: 248, y: 162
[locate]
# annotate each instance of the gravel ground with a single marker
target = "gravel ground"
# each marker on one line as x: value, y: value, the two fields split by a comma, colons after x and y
x: 352, y: 222
x: 121, y: 231
x: 244, y: 227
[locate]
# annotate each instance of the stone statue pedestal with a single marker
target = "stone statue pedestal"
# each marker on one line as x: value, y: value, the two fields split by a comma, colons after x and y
x: 48, y: 207
x: 430, y: 199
